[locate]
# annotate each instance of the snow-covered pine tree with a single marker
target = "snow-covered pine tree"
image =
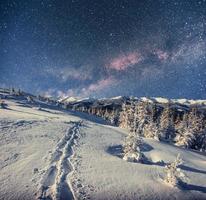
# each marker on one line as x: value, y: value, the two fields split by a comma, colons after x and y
x: 98, y: 113
x: 132, y: 148
x: 114, y: 117
x: 203, y: 141
x: 185, y: 136
x: 123, y: 116
x: 185, y: 139
x: 195, y: 120
x: 131, y: 116
x: 174, y: 176
x: 135, y: 119
x: 141, y: 117
x: 196, y: 125
x: 106, y: 114
x: 150, y: 128
x: 200, y: 142
x: 151, y: 131
x: 89, y: 110
x: 167, y: 130
x: 178, y: 121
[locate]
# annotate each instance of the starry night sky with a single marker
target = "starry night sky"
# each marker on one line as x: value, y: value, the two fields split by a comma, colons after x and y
x: 103, y: 48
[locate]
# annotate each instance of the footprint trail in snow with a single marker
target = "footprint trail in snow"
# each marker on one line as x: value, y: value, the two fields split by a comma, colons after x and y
x: 53, y: 184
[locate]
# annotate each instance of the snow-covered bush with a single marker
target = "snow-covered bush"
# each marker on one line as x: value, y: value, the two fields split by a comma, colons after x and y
x: 174, y: 176
x: 131, y: 147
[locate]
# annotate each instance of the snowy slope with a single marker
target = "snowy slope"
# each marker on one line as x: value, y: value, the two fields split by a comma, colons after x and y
x: 49, y: 153
x: 102, y: 174
x: 28, y: 145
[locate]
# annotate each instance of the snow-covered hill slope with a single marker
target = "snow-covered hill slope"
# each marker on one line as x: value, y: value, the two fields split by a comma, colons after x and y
x: 49, y: 153
x: 31, y: 144
x: 103, y: 174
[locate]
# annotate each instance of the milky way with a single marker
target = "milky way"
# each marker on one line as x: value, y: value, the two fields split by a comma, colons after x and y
x: 104, y: 48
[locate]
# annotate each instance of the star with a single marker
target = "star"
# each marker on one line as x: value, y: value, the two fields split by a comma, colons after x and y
x: 104, y: 48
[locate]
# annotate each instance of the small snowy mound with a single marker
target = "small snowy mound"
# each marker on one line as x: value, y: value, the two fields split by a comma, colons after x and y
x: 132, y: 157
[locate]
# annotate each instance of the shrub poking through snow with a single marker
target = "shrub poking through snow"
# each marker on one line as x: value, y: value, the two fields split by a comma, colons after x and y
x: 174, y: 176
x: 132, y: 152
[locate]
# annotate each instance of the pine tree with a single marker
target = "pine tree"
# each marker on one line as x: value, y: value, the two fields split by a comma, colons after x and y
x: 123, y: 116
x: 132, y: 148
x: 178, y: 122
x: 131, y: 117
x: 167, y: 130
x: 141, y: 117
x: 151, y: 131
x: 185, y: 136
x: 196, y: 126
x: 135, y: 118
x: 114, y: 116
x: 150, y: 128
x: 201, y: 141
x: 98, y: 111
x: 195, y: 120
x: 185, y: 139
x: 173, y: 173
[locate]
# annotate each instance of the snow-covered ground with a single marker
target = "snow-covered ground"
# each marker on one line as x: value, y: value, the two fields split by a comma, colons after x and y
x: 101, y: 173
x: 50, y: 153
x: 31, y: 143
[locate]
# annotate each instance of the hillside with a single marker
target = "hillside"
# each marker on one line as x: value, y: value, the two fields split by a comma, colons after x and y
x: 48, y: 152
x: 177, y: 121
